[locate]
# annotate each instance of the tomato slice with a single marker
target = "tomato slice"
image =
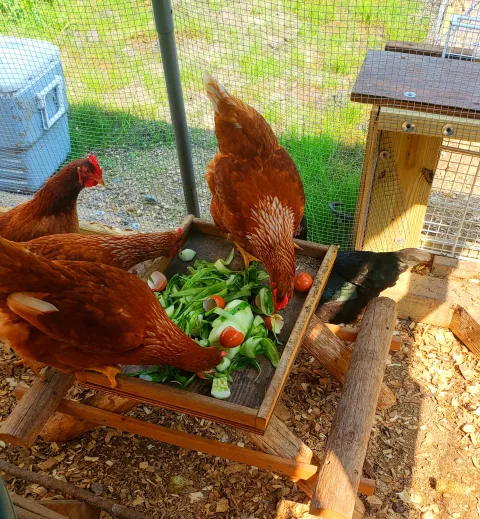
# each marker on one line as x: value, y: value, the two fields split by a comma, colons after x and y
x: 231, y: 338
x: 219, y: 300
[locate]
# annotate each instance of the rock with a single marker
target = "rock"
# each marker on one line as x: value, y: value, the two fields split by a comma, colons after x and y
x: 177, y: 484
x: 374, y: 502
x: 427, y: 515
x: 96, y: 488
x: 151, y: 199
x: 468, y: 428
x: 399, y: 507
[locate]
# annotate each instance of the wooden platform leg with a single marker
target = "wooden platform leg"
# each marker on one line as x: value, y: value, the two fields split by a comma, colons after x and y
x: 334, y: 356
x: 339, y: 474
x: 26, y: 421
x: 280, y: 441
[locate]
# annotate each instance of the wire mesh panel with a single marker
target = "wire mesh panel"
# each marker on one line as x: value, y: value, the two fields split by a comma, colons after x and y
x: 118, y: 105
x: 295, y: 61
x: 452, y: 222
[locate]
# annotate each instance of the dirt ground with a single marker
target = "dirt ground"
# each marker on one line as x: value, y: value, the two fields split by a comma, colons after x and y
x: 424, y: 452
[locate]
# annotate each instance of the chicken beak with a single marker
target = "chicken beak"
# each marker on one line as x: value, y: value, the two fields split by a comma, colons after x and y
x: 100, y: 181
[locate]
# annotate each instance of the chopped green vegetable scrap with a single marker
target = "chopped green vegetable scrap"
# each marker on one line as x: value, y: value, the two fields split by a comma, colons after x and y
x: 238, y: 327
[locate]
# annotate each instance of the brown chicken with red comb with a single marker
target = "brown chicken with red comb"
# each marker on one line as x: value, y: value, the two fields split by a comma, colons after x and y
x: 75, y: 315
x: 53, y: 210
x: 257, y: 193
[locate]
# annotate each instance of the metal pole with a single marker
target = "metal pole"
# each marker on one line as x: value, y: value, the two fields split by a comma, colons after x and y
x: 162, y: 10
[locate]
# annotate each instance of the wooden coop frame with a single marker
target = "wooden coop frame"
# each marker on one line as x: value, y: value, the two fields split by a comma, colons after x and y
x: 332, y: 484
x: 417, y: 97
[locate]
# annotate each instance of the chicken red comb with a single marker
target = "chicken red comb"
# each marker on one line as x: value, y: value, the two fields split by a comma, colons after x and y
x: 94, y: 162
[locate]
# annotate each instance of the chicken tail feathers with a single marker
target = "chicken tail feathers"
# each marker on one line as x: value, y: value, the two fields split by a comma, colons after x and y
x: 23, y: 271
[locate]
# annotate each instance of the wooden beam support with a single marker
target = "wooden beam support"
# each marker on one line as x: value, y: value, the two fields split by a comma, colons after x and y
x: 348, y: 334
x: 340, y: 472
x: 30, y: 415
x: 467, y: 329
x: 335, y: 357
x: 286, y: 467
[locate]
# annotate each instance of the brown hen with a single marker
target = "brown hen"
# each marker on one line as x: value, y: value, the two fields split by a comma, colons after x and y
x: 53, y: 210
x: 123, y: 252
x: 79, y: 315
x: 257, y: 193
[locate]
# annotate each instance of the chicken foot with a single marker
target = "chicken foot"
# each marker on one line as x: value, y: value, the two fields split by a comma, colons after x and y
x: 33, y: 365
x: 110, y: 372
x: 247, y: 257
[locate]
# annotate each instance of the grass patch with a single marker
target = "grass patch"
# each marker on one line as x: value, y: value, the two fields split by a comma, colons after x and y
x: 92, y: 128
x: 296, y: 59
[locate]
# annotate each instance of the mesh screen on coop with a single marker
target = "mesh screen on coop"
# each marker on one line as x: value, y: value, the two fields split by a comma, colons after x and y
x: 295, y: 61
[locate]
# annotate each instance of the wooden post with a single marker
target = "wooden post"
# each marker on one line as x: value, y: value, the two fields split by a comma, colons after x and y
x: 30, y: 415
x: 279, y: 440
x: 402, y: 181
x: 335, y: 357
x: 339, y: 475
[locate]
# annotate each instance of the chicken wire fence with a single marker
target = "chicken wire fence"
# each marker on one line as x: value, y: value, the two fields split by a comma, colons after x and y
x: 295, y: 61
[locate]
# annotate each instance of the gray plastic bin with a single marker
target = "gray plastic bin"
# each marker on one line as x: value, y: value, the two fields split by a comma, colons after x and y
x: 34, y: 136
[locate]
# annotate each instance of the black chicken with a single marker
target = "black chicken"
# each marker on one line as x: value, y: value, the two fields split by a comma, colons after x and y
x: 359, y: 276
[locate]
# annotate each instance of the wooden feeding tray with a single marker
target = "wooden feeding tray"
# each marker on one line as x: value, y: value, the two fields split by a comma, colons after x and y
x: 253, y: 396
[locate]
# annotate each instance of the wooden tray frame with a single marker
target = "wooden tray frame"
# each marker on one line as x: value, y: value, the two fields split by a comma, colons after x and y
x: 242, y: 417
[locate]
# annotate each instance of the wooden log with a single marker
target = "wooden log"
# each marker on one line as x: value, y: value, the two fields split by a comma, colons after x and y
x: 280, y: 441
x: 348, y: 334
x: 340, y: 472
x: 107, y: 505
x: 467, y: 329
x: 30, y: 415
x: 335, y: 357
x: 34, y: 507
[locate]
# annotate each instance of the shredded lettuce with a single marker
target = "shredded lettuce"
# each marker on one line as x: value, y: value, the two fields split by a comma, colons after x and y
x: 245, y: 295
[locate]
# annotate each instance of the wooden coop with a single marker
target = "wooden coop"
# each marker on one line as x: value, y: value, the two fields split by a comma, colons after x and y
x: 254, y: 408
x: 420, y: 101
